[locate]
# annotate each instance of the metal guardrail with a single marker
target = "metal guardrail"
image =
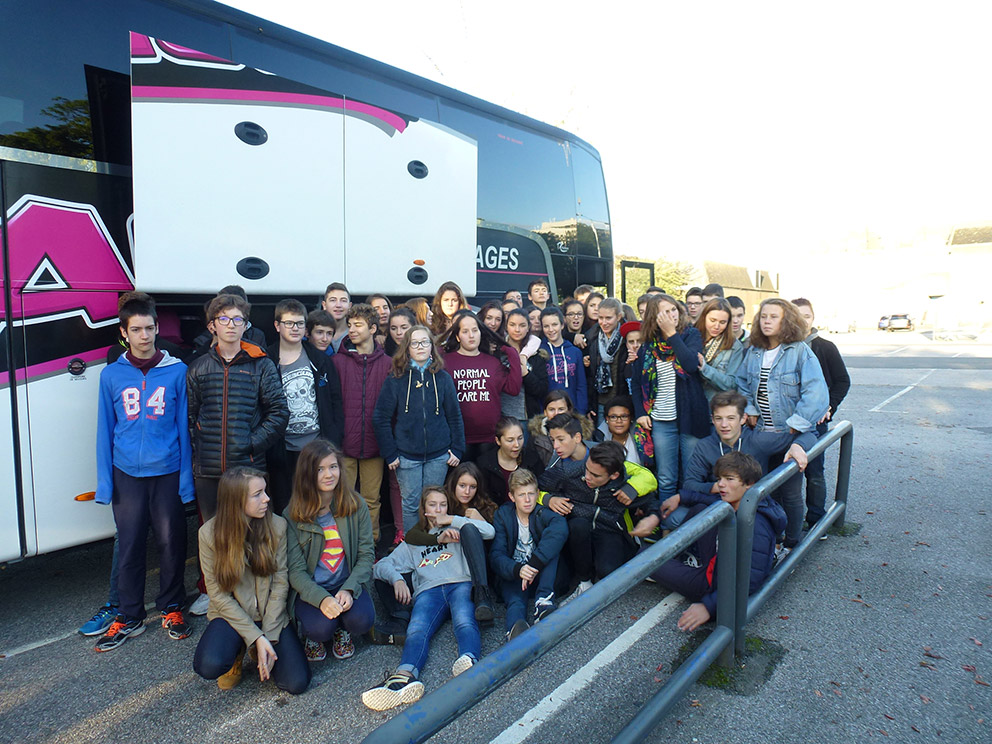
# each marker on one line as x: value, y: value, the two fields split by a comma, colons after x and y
x: 747, y: 605
x: 428, y: 716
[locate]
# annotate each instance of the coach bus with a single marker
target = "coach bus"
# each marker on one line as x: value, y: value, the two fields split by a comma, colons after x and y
x: 177, y: 146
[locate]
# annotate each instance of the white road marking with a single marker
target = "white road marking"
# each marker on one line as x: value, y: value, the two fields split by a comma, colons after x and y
x: 901, y: 393
x: 37, y: 644
x: 561, y: 695
x: 895, y: 351
x: 959, y: 354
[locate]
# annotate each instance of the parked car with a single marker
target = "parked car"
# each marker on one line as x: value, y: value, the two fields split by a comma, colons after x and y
x: 900, y: 323
x: 883, y: 323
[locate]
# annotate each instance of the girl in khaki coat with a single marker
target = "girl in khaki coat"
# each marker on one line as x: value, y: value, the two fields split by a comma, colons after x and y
x: 243, y: 556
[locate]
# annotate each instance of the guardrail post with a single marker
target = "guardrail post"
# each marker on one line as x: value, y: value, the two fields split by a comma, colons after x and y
x: 726, y: 589
x: 844, y: 472
x: 746, y: 511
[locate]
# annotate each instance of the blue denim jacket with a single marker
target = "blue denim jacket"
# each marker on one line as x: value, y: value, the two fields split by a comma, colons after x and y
x: 718, y: 375
x: 797, y: 391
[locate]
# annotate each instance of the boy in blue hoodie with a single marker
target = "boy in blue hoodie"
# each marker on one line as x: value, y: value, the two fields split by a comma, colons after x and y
x: 694, y: 576
x: 565, y: 369
x: 144, y: 468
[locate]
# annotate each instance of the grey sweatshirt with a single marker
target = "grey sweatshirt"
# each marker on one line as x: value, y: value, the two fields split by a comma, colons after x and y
x: 432, y: 565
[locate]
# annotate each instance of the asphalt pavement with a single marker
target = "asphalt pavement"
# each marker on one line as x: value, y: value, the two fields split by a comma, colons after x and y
x: 885, y: 633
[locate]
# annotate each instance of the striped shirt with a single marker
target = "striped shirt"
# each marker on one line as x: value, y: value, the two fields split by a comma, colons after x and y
x: 761, y: 398
x: 664, y: 408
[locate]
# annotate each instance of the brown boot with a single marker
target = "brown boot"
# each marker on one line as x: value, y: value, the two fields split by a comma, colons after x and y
x: 232, y: 677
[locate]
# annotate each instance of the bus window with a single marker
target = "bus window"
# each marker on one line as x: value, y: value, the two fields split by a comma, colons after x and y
x: 525, y: 178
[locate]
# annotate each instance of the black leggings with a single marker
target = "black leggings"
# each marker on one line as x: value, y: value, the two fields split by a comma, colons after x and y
x: 220, y: 645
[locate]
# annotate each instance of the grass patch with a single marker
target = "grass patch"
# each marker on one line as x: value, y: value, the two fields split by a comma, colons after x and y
x: 848, y: 530
x: 747, y: 674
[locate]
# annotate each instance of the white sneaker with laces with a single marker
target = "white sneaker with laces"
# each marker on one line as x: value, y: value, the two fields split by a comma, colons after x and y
x: 200, y: 605
x: 462, y: 663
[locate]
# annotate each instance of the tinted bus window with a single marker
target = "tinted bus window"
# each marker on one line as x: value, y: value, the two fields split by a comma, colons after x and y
x: 590, y: 189
x: 525, y: 179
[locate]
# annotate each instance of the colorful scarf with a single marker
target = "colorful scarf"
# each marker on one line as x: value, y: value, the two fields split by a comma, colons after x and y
x: 656, y: 351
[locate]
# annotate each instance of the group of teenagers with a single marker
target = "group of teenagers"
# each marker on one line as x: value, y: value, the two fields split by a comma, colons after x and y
x: 526, y: 451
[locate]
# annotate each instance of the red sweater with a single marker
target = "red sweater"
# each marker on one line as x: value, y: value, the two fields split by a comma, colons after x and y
x: 478, y: 381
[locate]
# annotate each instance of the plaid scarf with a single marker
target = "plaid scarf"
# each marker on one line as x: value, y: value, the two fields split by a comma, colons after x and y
x: 656, y: 351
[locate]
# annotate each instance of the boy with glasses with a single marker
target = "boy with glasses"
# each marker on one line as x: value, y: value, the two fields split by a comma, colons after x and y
x: 313, y: 395
x: 694, y: 303
x: 237, y: 409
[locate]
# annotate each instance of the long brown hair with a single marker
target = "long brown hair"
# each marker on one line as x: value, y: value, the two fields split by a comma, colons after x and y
x: 441, y: 322
x: 727, y: 337
x: 401, y: 359
x: 480, y: 502
x: 793, y: 325
x: 422, y: 521
x: 237, y: 537
x: 419, y: 307
x: 650, y: 330
x: 305, y: 501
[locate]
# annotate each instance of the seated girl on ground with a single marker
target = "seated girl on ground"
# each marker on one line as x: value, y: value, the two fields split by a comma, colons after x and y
x: 330, y: 554
x: 442, y: 587
x: 243, y: 556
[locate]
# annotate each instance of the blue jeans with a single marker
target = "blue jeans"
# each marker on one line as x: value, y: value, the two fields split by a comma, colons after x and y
x: 220, y: 645
x: 790, y: 496
x: 413, y: 475
x: 816, y: 485
x: 431, y: 608
x: 316, y: 626
x: 516, y: 598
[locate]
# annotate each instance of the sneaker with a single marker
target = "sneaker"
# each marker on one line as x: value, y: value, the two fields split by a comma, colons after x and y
x: 781, y: 552
x: 388, y: 634
x: 342, y: 647
x: 543, y: 606
x: 118, y: 632
x: 822, y: 537
x: 175, y: 623
x: 98, y: 624
x: 518, y: 627
x: 690, y: 560
x: 200, y: 605
x: 462, y: 663
x: 397, y: 689
x: 583, y: 587
x: 314, y: 650
x: 483, y: 600
x: 232, y: 677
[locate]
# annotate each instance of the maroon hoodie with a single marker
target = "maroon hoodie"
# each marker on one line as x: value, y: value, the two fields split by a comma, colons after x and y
x: 362, y: 377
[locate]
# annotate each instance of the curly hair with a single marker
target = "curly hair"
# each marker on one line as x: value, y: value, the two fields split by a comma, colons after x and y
x: 793, y: 326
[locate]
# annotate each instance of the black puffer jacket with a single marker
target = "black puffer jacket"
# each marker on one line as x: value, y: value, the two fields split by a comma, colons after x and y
x: 236, y: 410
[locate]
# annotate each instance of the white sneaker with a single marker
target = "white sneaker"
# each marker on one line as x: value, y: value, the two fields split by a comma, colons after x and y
x: 462, y: 663
x: 781, y: 552
x: 200, y: 605
x: 583, y: 586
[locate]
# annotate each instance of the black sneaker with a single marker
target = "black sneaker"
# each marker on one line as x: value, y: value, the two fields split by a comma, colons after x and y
x: 397, y: 689
x: 175, y: 623
x: 118, y: 632
x: 518, y: 627
x: 543, y: 606
x: 483, y: 600
x: 388, y: 634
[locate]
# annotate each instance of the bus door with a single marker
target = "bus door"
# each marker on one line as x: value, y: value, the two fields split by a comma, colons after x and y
x: 65, y: 247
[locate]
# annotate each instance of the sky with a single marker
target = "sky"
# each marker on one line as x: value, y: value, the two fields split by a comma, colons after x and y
x: 739, y: 132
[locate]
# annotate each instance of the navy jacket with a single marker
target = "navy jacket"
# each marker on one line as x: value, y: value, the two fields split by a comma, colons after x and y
x: 691, y: 405
x: 428, y: 419
x: 548, y: 529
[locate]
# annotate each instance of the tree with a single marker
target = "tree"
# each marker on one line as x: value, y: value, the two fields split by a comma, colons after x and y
x: 70, y: 135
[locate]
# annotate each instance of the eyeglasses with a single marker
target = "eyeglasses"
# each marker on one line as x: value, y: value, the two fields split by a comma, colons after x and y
x: 574, y: 315
x: 618, y: 417
x: 693, y: 304
x: 226, y: 321
x: 300, y: 324
x: 425, y: 344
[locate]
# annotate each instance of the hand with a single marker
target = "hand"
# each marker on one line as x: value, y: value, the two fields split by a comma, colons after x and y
x: 441, y: 520
x: 669, y: 505
x: 702, y: 361
x: 450, y: 535
x: 345, y: 599
x: 452, y: 460
x: 585, y: 360
x: 622, y: 497
x: 266, y: 657
x: 696, y: 615
x: 560, y: 505
x: 645, y: 422
x: 401, y: 591
x: 667, y: 325
x: 646, y: 526
x: 331, y: 607
x: 527, y: 575
x: 394, y: 464
x: 826, y: 416
x: 580, y: 341
x: 752, y: 421
x: 798, y: 454
x: 524, y: 367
